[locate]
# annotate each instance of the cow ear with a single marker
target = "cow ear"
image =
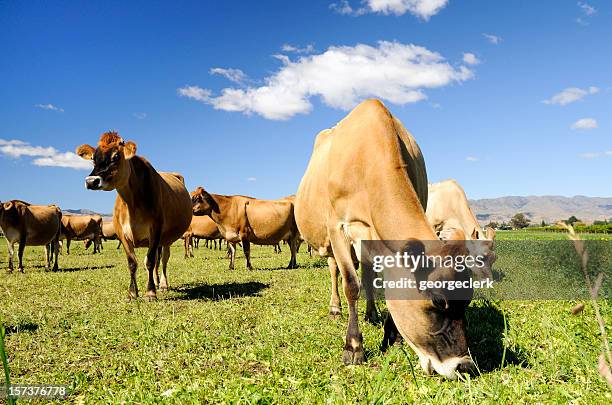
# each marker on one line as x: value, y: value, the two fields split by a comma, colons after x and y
x: 85, y: 151
x: 7, y: 205
x: 211, y: 201
x: 490, y: 233
x: 129, y: 149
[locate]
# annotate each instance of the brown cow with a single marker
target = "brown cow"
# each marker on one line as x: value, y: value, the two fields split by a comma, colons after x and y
x: 82, y: 227
x: 448, y: 209
x: 108, y: 233
x: 30, y: 225
x: 366, y: 180
x: 202, y: 227
x: 152, y: 209
x: 247, y: 220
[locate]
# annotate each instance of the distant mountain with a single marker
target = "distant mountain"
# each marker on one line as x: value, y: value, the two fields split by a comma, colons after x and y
x: 537, y: 208
x: 84, y: 211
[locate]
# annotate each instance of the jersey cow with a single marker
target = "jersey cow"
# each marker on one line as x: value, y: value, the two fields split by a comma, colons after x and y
x: 82, y: 227
x: 202, y: 227
x: 30, y: 225
x: 448, y: 209
x: 247, y: 220
x: 366, y: 180
x: 152, y: 209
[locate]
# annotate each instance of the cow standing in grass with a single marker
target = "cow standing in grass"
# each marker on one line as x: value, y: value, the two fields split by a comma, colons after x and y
x: 366, y: 180
x: 82, y: 227
x: 247, y: 220
x: 152, y: 209
x: 30, y: 225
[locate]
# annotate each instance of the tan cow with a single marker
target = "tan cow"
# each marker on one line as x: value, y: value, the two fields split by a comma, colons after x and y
x: 30, y: 225
x: 202, y: 227
x: 152, y: 209
x: 247, y: 220
x: 366, y: 180
x: 82, y: 227
x: 448, y: 209
x: 108, y: 233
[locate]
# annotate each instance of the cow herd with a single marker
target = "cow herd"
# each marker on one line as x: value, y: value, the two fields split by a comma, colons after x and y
x: 366, y: 180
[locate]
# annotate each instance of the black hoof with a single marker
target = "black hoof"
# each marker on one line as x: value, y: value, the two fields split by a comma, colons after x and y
x: 351, y: 357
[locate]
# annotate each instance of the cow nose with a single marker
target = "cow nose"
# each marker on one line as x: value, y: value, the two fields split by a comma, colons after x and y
x: 465, y: 366
x: 93, y: 182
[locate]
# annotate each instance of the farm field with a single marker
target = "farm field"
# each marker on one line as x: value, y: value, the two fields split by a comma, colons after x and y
x: 264, y: 336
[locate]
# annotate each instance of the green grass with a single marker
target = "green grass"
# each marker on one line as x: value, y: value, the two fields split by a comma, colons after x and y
x: 264, y: 336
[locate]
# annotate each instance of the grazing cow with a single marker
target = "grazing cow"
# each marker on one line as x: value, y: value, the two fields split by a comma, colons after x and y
x: 202, y: 227
x: 247, y: 220
x: 152, y: 209
x: 448, y: 209
x: 366, y: 180
x: 31, y: 225
x: 108, y: 233
x: 82, y: 227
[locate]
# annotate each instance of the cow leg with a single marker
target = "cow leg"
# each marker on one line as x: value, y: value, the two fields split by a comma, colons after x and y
x: 47, y: 254
x: 55, y: 245
x: 353, y: 348
x: 334, y: 302
x: 293, y: 248
x: 231, y: 250
x: 152, y: 263
x: 118, y: 245
x: 67, y: 246
x: 165, y: 256
x: 128, y: 247
x: 156, y: 267
x: 11, y: 251
x: 22, y: 244
x: 186, y: 245
x: 391, y: 336
x: 246, y: 247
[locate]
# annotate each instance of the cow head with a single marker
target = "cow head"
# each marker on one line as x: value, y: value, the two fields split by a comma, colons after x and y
x: 10, y: 211
x: 111, y: 162
x: 203, y: 202
x: 433, y: 320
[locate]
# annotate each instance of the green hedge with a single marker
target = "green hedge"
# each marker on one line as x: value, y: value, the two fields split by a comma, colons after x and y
x: 579, y: 228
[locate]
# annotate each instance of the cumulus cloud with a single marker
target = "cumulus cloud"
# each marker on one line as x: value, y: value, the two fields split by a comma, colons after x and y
x: 233, y: 75
x: 423, y: 9
x: 588, y: 11
x: 585, y: 123
x: 44, y: 155
x: 470, y: 59
x: 471, y: 159
x: 570, y: 95
x: 493, y: 39
x: 50, y: 107
x: 593, y: 155
x: 341, y: 76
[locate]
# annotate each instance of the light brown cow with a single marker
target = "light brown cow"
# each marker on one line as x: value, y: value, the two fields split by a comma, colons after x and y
x: 247, y: 220
x: 108, y: 233
x: 82, y: 227
x: 366, y: 180
x: 202, y: 227
x: 152, y: 209
x: 30, y: 225
x: 448, y: 209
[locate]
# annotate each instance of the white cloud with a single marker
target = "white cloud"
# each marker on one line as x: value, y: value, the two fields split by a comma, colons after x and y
x: 494, y: 39
x: 585, y: 123
x: 251, y: 178
x: 587, y: 9
x: 471, y: 159
x: 296, y: 49
x: 424, y: 9
x: 49, y: 107
x: 140, y: 115
x: 45, y: 155
x: 592, y: 155
x: 470, y: 59
x: 342, y: 76
x: 570, y: 95
x: 233, y: 75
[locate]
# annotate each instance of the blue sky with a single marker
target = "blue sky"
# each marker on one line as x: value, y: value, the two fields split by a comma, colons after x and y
x: 527, y: 115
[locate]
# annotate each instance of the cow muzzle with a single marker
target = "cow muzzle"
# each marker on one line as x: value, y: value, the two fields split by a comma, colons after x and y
x: 93, y: 182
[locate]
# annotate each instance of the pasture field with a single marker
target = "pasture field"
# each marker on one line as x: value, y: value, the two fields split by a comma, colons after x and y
x: 264, y: 336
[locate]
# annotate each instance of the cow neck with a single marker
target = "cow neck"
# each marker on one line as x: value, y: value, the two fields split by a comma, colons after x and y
x: 139, y: 180
x: 223, y: 202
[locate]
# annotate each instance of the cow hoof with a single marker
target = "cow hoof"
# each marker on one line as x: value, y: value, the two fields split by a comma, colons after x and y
x: 372, y: 318
x: 150, y: 296
x: 55, y: 268
x: 163, y: 288
x: 350, y: 357
x: 21, y: 270
x: 131, y: 296
x: 335, y: 312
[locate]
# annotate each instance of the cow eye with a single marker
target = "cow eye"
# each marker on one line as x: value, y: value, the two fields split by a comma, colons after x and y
x: 439, y: 301
x: 115, y: 157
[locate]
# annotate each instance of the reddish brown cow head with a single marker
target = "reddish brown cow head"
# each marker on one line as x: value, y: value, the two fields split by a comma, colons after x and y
x: 203, y: 203
x: 111, y: 167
